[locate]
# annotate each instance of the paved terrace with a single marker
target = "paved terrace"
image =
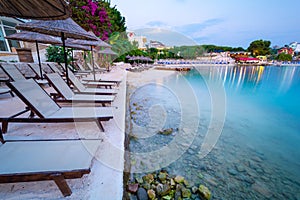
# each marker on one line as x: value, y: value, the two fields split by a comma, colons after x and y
x: 106, y: 178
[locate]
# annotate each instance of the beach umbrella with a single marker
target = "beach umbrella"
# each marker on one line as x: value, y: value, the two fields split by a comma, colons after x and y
x: 35, y: 9
x: 61, y: 28
x: 92, y: 44
x: 36, y: 38
x: 107, y: 51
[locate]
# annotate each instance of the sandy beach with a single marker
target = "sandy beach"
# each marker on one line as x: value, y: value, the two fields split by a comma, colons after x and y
x: 106, y: 178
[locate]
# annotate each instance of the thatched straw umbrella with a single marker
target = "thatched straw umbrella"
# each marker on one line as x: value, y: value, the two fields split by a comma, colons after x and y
x: 35, y: 9
x: 108, y: 51
x: 92, y: 44
x: 61, y: 28
x: 36, y: 38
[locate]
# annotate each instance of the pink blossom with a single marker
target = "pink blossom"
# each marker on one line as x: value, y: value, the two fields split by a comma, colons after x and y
x: 85, y: 8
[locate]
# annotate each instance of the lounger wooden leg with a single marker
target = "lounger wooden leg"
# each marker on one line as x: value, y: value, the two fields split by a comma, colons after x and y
x: 1, y: 136
x: 4, y: 126
x: 100, y: 125
x: 11, y: 93
x: 62, y: 184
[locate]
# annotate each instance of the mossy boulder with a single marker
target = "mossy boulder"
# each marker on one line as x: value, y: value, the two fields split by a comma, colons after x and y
x: 179, y: 179
x: 186, y: 193
x: 149, y: 178
x: 151, y: 194
x: 204, y: 192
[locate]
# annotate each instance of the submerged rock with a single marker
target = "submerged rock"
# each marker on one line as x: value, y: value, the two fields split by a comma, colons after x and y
x: 166, y: 131
x: 142, y: 194
x: 204, y: 192
x: 151, y: 194
x: 186, y: 193
x: 163, y: 189
x: 149, y: 178
x: 179, y: 179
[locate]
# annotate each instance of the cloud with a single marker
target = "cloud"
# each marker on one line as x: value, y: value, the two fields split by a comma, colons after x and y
x: 196, y: 28
x: 156, y: 24
x: 187, y: 34
x: 167, y: 37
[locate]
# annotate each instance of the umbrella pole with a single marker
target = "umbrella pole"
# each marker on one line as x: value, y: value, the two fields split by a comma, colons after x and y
x: 65, y: 55
x: 73, y: 58
x: 93, y: 64
x: 38, y: 54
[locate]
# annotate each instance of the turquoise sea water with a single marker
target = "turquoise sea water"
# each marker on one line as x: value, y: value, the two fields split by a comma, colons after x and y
x: 257, y: 155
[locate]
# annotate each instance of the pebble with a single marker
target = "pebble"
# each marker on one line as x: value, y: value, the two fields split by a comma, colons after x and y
x: 232, y: 172
x: 142, y: 194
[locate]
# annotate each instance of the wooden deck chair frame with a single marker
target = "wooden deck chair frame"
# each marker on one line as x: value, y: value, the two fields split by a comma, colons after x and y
x: 12, y: 72
x: 6, y: 90
x: 98, y: 115
x: 84, y: 90
x: 13, y: 150
x: 66, y: 94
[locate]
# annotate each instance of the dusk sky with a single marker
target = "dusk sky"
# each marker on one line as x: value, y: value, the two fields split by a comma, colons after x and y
x: 231, y: 23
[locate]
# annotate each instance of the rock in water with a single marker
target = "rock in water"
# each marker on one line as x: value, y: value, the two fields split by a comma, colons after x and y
x: 132, y: 187
x: 142, y: 194
x: 186, y: 193
x: 149, y: 178
x: 151, y: 194
x: 166, y: 131
x: 204, y: 192
x: 162, y: 176
x: 179, y: 179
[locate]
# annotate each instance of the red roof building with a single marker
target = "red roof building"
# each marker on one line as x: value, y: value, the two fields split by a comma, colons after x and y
x: 286, y: 50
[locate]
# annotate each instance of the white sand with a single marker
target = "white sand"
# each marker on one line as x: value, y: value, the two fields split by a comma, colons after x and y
x: 106, y: 178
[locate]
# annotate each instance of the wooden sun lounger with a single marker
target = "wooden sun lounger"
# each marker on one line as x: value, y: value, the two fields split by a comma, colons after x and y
x: 68, y: 95
x: 84, y: 90
x: 14, y: 74
x: 5, y: 91
x: 48, y: 111
x: 28, y: 161
x: 55, y: 68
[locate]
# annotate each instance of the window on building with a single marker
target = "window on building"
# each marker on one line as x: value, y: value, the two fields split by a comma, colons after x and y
x: 7, y: 28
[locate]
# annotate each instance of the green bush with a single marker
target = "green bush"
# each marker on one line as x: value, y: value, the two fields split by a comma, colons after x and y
x: 56, y: 54
x: 284, y: 57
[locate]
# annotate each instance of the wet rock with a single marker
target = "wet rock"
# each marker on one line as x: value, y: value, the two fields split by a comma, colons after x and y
x: 149, y: 178
x: 179, y: 179
x: 147, y: 186
x: 172, y: 182
x: 151, y: 194
x: 163, y: 190
x: 262, y: 189
x: 177, y: 195
x: 162, y: 176
x: 133, y: 197
x: 186, y: 193
x: 204, y: 192
x: 139, y: 180
x: 132, y: 187
x: 232, y: 172
x: 194, y: 189
x: 166, y: 131
x: 142, y: 194
x: 240, y: 168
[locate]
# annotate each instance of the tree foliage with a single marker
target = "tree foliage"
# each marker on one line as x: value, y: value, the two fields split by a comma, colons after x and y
x: 260, y: 48
x: 97, y: 16
x: 284, y: 57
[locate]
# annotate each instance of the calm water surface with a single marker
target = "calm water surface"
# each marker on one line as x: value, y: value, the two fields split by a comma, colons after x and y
x: 257, y: 155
